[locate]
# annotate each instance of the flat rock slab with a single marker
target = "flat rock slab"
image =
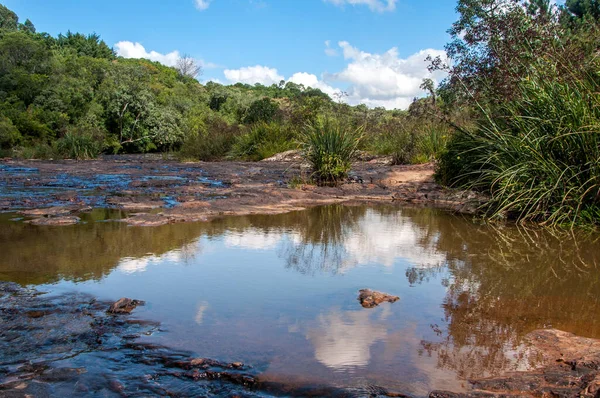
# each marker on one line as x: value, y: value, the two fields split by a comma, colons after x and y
x: 370, y: 299
x: 55, y: 221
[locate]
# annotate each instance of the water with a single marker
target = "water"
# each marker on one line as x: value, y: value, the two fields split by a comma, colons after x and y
x: 279, y: 292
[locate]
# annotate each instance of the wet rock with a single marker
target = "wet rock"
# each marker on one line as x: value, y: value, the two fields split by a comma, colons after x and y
x: 370, y: 299
x: 60, y: 374
x: 47, y: 212
x: 124, y: 306
x: 55, y: 221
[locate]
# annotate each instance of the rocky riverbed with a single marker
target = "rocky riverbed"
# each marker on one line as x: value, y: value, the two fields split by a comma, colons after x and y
x: 158, y: 192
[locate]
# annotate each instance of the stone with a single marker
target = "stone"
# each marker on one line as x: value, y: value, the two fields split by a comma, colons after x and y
x: 370, y: 299
x: 124, y: 306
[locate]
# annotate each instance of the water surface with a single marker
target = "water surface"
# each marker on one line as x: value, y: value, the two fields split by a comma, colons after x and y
x: 279, y: 292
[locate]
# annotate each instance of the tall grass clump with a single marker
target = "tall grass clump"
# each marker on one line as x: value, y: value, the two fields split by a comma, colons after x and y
x: 538, y: 156
x: 78, y: 146
x: 330, y: 148
x: 263, y: 141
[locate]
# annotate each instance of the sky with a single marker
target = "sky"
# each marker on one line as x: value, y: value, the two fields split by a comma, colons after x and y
x: 372, y: 50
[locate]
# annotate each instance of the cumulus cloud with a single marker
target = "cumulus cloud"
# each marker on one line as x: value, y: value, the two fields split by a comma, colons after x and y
x: 202, y: 4
x: 253, y: 74
x: 374, y: 5
x: 384, y: 79
x: 376, y: 80
x: 127, y: 49
x: 310, y: 80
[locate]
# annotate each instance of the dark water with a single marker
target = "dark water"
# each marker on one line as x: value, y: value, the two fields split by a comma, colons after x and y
x: 279, y: 292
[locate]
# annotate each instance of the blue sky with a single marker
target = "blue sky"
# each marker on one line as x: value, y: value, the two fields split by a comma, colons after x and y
x: 376, y: 47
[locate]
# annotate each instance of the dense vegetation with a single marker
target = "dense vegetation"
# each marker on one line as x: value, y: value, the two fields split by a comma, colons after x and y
x: 529, y: 74
x: 71, y: 96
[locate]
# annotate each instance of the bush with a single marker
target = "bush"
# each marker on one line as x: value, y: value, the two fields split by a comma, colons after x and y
x: 263, y: 141
x: 262, y: 110
x: 540, y: 160
x: 78, y: 146
x: 9, y: 134
x: 212, y: 142
x: 330, y: 148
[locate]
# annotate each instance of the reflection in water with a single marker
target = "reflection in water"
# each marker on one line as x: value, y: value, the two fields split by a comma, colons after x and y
x: 343, y: 339
x: 282, y: 289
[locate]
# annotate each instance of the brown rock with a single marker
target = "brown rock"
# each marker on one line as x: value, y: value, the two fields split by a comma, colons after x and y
x: 124, y: 306
x: 369, y: 298
x: 55, y: 221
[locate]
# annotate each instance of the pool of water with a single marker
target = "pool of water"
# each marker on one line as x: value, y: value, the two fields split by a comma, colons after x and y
x: 279, y: 292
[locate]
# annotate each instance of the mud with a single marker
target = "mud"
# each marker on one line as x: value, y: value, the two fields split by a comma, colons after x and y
x: 162, y: 192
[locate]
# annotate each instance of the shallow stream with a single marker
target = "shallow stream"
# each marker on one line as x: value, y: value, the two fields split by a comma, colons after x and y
x: 279, y: 292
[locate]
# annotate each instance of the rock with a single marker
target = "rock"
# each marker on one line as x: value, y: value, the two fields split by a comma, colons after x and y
x: 124, y: 306
x: 370, y: 299
x: 287, y: 156
x: 55, y: 221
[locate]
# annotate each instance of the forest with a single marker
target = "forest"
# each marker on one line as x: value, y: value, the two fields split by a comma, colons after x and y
x: 518, y: 116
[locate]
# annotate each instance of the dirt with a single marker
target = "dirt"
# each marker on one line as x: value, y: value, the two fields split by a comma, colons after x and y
x: 162, y: 191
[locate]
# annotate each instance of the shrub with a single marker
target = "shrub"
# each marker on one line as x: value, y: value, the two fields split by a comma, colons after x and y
x: 78, y: 146
x: 330, y: 148
x: 262, y: 110
x: 211, y: 142
x: 264, y: 140
x: 540, y: 160
x: 9, y: 134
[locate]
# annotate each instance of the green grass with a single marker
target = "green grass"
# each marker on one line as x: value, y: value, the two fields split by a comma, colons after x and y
x: 540, y: 158
x: 263, y: 141
x: 78, y: 146
x: 330, y: 148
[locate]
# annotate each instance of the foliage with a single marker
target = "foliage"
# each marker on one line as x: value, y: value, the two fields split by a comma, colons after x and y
x: 61, y: 92
x: 330, y: 148
x: 213, y: 141
x: 262, y: 110
x: 78, y: 146
x: 263, y: 141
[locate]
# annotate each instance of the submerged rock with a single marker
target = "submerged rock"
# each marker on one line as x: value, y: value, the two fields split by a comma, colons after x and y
x: 124, y: 306
x: 370, y: 299
x: 570, y: 368
x: 55, y: 221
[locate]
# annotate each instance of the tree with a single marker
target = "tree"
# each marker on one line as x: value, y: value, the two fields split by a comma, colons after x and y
x: 28, y: 26
x: 584, y: 8
x: 188, y: 66
x: 90, y: 45
x: 8, y: 19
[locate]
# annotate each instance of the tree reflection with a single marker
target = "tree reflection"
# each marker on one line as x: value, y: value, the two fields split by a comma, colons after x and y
x: 505, y: 282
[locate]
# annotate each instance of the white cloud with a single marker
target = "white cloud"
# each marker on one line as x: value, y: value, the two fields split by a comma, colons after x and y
x: 376, y: 80
x: 331, y: 52
x: 202, y: 4
x: 310, y: 80
x: 374, y: 5
x: 253, y: 74
x: 384, y: 79
x: 127, y: 49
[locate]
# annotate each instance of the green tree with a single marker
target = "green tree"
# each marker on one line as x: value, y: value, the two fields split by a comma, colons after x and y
x: 8, y: 19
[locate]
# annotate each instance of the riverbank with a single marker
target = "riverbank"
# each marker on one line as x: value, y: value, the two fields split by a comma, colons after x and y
x: 159, y: 191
